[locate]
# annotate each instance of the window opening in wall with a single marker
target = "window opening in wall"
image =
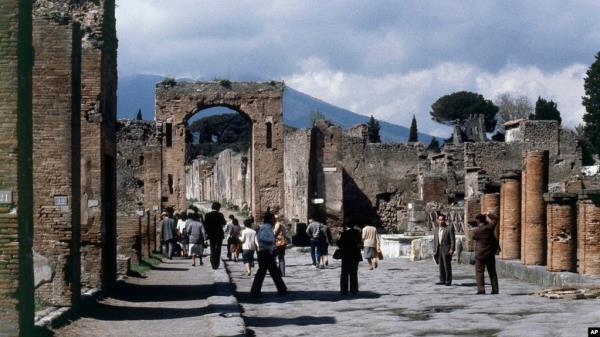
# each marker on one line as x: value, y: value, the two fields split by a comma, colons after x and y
x: 169, y: 134
x: 170, y: 182
x: 128, y: 162
x: 269, y: 135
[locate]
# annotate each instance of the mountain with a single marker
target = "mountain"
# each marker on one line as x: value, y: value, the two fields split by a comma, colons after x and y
x: 137, y: 92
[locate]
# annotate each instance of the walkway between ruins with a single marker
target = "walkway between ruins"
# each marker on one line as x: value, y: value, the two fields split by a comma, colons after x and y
x: 175, y: 299
x: 400, y: 299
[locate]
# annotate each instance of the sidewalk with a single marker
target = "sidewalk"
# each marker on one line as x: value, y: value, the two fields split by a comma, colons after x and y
x: 175, y: 299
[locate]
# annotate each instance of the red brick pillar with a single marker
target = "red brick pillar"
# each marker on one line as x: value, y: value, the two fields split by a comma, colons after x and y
x: 56, y: 159
x: 588, y: 235
x: 472, y: 208
x: 533, y: 209
x: 16, y: 265
x: 510, y: 216
x: 562, y: 248
x: 490, y: 203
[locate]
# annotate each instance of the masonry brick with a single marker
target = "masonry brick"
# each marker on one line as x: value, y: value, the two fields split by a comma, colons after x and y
x: 562, y: 228
x: 510, y: 216
x: 56, y: 156
x: 533, y: 208
x: 588, y: 233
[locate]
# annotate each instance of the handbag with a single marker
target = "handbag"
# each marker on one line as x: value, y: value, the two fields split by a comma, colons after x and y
x: 337, y: 254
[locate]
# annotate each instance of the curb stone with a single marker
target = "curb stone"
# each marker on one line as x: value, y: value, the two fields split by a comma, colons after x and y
x: 229, y: 322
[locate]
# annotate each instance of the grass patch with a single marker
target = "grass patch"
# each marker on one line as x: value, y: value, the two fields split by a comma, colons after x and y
x: 146, y: 264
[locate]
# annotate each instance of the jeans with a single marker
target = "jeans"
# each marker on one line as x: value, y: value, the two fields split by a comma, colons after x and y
x: 266, y: 261
x: 280, y: 254
x: 215, y: 253
x: 315, y: 251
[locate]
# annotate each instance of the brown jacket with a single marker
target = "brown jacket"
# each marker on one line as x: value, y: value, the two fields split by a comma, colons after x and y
x: 487, y: 244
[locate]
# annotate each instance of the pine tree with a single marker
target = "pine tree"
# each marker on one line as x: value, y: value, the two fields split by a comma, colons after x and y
x: 434, y: 145
x: 591, y: 101
x: 413, y: 136
x: 373, y: 130
x: 139, y: 115
x: 546, y: 110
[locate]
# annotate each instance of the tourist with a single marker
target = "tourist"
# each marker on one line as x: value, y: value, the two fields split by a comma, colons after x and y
x: 227, y: 231
x: 370, y: 240
x: 233, y: 242
x: 249, y: 245
x: 168, y: 231
x: 326, y: 240
x: 266, y: 261
x: 197, y: 236
x: 181, y: 233
x: 280, y: 233
x: 444, y: 242
x: 485, y: 251
x: 314, y: 233
x: 349, y: 245
x: 213, y: 224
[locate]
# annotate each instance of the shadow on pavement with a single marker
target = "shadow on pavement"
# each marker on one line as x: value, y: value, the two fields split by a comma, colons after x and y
x: 107, y: 312
x: 169, y: 269
x: 278, y: 321
x: 164, y: 293
x: 293, y: 295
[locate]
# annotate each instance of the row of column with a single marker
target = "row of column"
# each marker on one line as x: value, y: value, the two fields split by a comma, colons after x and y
x: 559, y: 230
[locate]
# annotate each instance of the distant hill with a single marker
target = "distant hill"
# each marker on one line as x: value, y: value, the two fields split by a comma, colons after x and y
x: 137, y: 92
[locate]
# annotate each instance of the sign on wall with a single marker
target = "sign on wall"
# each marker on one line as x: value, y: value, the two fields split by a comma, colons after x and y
x: 61, y: 201
x: 5, y: 197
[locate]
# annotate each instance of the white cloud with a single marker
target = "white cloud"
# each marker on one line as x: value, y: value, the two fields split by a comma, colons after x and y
x: 396, y: 97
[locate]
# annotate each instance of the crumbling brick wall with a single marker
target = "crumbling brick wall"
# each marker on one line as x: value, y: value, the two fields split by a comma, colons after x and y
x: 56, y: 156
x: 138, y: 175
x: 296, y: 174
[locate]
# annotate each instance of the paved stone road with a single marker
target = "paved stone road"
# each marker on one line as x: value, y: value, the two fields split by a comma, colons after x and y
x: 175, y: 299
x: 400, y: 299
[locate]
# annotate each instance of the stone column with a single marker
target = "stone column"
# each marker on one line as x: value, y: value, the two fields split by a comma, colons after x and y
x: 510, y: 216
x: 472, y: 208
x: 588, y: 234
x: 533, y: 208
x: 16, y: 271
x: 56, y: 160
x: 562, y: 248
x: 490, y: 203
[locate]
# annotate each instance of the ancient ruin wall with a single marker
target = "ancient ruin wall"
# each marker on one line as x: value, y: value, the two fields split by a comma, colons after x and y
x: 510, y: 217
x: 16, y: 271
x: 588, y: 234
x: 261, y: 103
x: 490, y: 204
x: 562, y: 237
x: 56, y: 158
x: 138, y: 177
x: 374, y: 169
x: 533, y: 209
x: 296, y: 174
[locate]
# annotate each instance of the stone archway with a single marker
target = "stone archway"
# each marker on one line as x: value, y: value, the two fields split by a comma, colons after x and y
x: 260, y: 103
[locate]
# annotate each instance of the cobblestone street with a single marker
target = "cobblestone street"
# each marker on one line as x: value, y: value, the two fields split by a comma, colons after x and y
x: 400, y: 299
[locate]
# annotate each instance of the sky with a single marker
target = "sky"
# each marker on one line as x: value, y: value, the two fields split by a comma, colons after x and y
x: 389, y: 59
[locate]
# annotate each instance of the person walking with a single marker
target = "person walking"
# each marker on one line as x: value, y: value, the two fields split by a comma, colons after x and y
x: 326, y: 240
x: 233, y: 241
x: 213, y: 224
x: 227, y: 233
x: 181, y: 233
x: 370, y: 244
x: 349, y: 245
x: 280, y: 233
x: 485, y: 251
x: 168, y: 231
x: 249, y: 245
x: 444, y: 243
x: 266, y: 261
x: 197, y: 236
x: 313, y: 231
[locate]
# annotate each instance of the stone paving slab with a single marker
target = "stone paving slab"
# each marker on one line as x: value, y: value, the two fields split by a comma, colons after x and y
x: 175, y: 299
x: 400, y: 299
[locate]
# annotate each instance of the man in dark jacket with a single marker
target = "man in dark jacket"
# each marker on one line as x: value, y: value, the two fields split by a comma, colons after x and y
x: 213, y: 224
x: 349, y: 244
x: 168, y: 230
x: 444, y: 242
x: 485, y: 251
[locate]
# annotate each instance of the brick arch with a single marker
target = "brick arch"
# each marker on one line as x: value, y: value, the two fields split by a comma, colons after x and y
x: 260, y: 103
